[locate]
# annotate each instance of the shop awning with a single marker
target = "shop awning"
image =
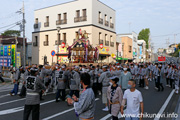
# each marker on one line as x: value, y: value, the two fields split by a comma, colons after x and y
x: 104, y: 55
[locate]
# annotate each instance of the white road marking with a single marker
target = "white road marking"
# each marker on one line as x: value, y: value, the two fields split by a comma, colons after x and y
x: 109, y: 115
x: 58, y: 114
x: 7, y: 95
x: 12, y: 101
x: 164, y: 106
x: 13, y: 110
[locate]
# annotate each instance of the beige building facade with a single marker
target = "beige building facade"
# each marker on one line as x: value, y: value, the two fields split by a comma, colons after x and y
x: 93, y: 16
x: 127, y: 44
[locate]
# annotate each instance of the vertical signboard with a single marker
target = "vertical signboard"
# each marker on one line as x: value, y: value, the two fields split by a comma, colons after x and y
x: 1, y: 55
x: 9, y: 55
x: 13, y: 56
x: 18, y: 64
x: 5, y: 58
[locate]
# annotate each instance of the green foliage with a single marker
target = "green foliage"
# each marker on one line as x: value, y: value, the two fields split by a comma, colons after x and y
x: 176, y: 53
x: 12, y: 33
x: 144, y: 35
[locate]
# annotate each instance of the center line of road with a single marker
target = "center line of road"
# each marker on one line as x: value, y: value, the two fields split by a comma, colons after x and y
x: 58, y: 114
x: 164, y: 106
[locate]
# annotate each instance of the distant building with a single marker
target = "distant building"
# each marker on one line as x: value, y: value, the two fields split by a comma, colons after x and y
x: 160, y: 50
x: 29, y: 53
x: 170, y: 50
x: 134, y: 37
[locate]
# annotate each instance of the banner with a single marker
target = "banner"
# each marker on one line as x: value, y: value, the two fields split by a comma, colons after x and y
x: 104, y: 50
x: 18, y: 64
x: 9, y: 56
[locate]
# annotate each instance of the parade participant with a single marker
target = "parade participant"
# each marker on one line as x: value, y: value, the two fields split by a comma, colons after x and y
x: 118, y: 71
x: 172, y: 75
x: 177, y: 78
x: 12, y: 70
x: 156, y: 74
x: 61, y: 86
x: 1, y: 74
x: 134, y: 100
x: 23, y: 89
x: 104, y: 79
x: 124, y: 78
x: 113, y: 71
x: 85, y: 105
x: 115, y: 96
x: 146, y: 76
x: 92, y: 74
x: 132, y: 70
x: 98, y: 72
x: 168, y: 72
x: 16, y: 81
x: 33, y: 85
x: 160, y: 78
x: 74, y: 82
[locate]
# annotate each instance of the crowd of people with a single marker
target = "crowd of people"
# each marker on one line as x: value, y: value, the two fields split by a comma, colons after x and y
x: 80, y: 85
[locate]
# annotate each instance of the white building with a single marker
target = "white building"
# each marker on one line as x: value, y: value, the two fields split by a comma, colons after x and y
x: 141, y: 50
x: 134, y: 37
x: 93, y: 16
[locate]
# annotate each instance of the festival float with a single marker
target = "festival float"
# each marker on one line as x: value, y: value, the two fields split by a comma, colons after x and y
x: 81, y: 51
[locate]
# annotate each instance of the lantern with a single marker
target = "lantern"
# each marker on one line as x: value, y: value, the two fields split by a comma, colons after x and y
x: 62, y: 44
x: 101, y: 46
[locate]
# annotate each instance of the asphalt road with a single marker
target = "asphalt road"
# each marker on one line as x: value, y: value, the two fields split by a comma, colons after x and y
x: 11, y: 107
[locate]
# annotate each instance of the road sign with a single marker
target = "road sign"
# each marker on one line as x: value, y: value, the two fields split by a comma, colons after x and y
x: 162, y: 59
x: 53, y: 53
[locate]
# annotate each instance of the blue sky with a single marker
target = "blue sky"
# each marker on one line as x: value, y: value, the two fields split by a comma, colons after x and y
x: 161, y: 16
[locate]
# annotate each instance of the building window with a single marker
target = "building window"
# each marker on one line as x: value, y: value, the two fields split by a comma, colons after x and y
x: 100, y: 18
x: 46, y: 24
x: 46, y: 42
x: 36, y: 41
x: 130, y: 49
x: 36, y: 23
x: 111, y: 23
x: 64, y: 37
x: 77, y: 13
x: 106, y: 22
x: 111, y: 39
x: 59, y: 16
x: 84, y: 12
x: 100, y: 38
x: 106, y: 40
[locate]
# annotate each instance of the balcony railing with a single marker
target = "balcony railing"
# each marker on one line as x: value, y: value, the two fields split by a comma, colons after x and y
x: 35, y: 25
x: 60, y: 22
x: 107, y: 43
x: 46, y: 24
x: 46, y: 43
x: 80, y: 19
x: 112, y: 44
x: 100, y: 41
x: 35, y: 44
x: 106, y: 23
x: 83, y: 18
x: 100, y: 21
x: 111, y: 25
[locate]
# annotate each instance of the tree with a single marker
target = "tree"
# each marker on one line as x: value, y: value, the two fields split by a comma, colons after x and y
x: 12, y: 33
x: 144, y: 35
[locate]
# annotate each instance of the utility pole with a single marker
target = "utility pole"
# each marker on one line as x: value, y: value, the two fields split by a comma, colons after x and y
x: 24, y: 50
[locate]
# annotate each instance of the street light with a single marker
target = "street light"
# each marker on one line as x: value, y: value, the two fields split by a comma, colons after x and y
x: 58, y: 30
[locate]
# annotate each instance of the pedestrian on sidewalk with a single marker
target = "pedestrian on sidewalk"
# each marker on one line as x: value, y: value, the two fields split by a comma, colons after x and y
x: 85, y: 105
x: 134, y: 100
x: 2, y: 80
x: 115, y: 96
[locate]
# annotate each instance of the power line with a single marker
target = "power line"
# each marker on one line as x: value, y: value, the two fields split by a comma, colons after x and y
x: 165, y: 35
x: 10, y: 24
x: 8, y: 28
